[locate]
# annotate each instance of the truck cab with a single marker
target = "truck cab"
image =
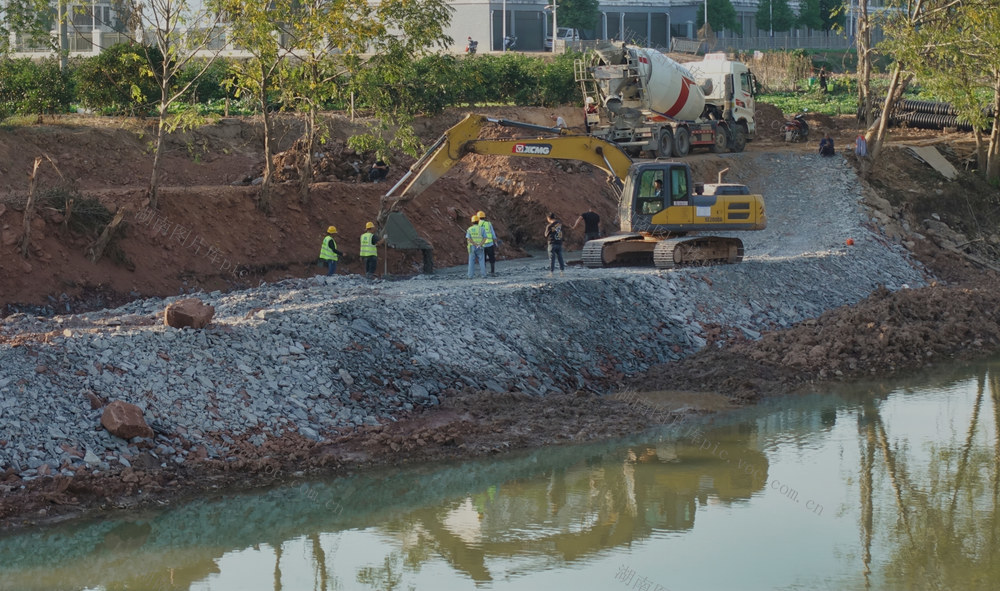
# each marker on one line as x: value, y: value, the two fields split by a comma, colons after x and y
x: 730, y: 79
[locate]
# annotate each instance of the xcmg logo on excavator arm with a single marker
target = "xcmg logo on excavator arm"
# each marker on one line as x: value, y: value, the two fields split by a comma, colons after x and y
x: 540, y: 149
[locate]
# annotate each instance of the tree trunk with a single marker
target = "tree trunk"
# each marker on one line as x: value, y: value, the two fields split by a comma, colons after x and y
x: 993, y: 151
x: 29, y: 208
x: 264, y: 197
x: 892, y: 94
x: 96, y: 250
x: 154, y: 178
x: 864, y: 41
x: 306, y: 172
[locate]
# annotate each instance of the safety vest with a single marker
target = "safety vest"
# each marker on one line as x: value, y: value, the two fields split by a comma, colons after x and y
x: 487, y: 229
x: 367, y: 248
x: 475, y: 234
x: 328, y: 252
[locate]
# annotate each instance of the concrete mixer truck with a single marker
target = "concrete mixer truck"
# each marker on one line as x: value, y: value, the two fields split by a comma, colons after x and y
x: 652, y: 106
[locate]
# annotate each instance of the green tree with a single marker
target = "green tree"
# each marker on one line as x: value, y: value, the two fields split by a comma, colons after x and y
x: 721, y: 15
x: 257, y: 26
x: 29, y: 20
x: 809, y: 15
x: 833, y: 13
x: 774, y: 15
x: 954, y: 54
x: 582, y: 15
x: 398, y: 32
x: 904, y: 23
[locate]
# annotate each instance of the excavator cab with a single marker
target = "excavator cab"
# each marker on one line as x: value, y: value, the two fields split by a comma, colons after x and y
x: 655, y: 195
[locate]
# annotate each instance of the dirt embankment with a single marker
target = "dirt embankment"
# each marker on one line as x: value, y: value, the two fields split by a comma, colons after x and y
x: 207, y: 233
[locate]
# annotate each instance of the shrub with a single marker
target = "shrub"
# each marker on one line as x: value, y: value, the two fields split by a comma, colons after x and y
x: 557, y: 85
x: 33, y: 88
x: 211, y: 86
x: 119, y: 80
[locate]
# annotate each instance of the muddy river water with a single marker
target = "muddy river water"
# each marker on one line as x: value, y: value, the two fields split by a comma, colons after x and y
x: 888, y: 485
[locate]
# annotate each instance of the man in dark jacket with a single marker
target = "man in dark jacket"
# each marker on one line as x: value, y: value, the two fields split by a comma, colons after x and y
x: 554, y: 236
x: 591, y: 224
x: 826, y: 146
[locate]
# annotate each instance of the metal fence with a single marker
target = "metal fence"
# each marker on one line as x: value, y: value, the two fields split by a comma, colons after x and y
x: 780, y: 42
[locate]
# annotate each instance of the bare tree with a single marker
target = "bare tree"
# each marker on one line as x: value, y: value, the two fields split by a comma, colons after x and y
x: 181, y: 30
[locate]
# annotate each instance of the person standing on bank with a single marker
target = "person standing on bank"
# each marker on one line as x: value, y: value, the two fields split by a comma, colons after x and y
x: 554, y: 236
x: 490, y: 241
x: 328, y: 251
x: 475, y: 240
x: 369, y: 249
x: 591, y: 224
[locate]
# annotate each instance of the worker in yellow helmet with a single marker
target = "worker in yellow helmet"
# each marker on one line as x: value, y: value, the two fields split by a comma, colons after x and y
x: 328, y: 251
x: 369, y: 250
x: 490, y: 241
x: 474, y: 238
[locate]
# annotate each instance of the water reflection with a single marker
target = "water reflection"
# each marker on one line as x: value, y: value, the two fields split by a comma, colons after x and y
x: 879, y: 486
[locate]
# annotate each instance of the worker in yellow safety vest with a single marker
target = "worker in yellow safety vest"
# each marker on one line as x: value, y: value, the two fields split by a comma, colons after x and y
x: 475, y: 240
x: 491, y: 241
x: 369, y: 250
x: 328, y: 251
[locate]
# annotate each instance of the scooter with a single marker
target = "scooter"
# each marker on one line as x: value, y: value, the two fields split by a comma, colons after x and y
x: 796, y: 129
x: 509, y: 42
x: 470, y: 48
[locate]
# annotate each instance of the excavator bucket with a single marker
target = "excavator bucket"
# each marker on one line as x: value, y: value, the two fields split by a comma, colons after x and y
x: 399, y: 233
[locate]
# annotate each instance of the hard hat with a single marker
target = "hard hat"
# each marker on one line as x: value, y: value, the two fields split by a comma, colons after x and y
x: 480, y: 214
x: 475, y: 218
x: 331, y: 230
x: 369, y: 226
x: 589, y: 100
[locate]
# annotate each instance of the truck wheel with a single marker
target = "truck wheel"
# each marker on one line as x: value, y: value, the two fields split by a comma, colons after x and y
x: 666, y: 148
x: 721, y: 140
x: 682, y: 142
x: 739, y: 139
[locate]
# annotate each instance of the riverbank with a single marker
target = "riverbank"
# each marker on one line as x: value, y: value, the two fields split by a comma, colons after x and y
x: 335, y: 375
x: 914, y: 328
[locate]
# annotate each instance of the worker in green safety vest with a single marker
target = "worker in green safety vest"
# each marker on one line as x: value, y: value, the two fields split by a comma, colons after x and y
x: 369, y: 250
x: 491, y: 242
x: 328, y: 251
x: 475, y: 239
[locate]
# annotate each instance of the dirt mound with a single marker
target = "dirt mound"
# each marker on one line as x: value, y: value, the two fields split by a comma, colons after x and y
x: 886, y: 333
x: 769, y: 119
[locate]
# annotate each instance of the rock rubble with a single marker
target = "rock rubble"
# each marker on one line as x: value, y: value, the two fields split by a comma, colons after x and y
x: 317, y: 356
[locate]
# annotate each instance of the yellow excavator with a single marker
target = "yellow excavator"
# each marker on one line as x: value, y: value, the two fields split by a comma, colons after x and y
x: 660, y: 208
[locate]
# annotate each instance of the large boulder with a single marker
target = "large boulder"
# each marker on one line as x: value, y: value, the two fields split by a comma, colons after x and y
x: 188, y: 312
x: 125, y: 420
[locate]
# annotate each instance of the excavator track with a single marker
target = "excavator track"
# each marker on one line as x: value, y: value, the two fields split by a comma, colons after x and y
x: 697, y: 250
x: 592, y: 254
x: 620, y: 250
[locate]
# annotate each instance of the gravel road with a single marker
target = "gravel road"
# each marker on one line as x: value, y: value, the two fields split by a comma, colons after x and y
x: 316, y: 355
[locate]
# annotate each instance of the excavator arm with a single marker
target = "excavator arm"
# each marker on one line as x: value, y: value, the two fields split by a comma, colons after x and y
x: 464, y: 139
